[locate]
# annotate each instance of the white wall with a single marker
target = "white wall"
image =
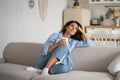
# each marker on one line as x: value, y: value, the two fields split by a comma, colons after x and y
x: 18, y: 23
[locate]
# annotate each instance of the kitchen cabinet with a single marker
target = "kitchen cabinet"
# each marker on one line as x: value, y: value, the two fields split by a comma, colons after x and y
x: 95, y: 1
x: 104, y: 1
x: 108, y: 36
x: 81, y: 15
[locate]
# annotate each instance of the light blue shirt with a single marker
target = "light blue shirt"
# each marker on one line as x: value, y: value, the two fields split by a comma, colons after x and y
x: 72, y: 43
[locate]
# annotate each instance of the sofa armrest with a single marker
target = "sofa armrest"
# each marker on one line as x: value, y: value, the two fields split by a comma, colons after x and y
x: 2, y: 60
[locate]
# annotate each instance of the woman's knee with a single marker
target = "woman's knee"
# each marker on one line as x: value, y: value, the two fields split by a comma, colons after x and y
x: 60, y: 52
x: 65, y: 48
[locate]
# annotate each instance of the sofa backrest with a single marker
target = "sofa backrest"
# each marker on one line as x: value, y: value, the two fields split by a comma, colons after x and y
x: 22, y: 53
x: 88, y: 58
x: 94, y: 58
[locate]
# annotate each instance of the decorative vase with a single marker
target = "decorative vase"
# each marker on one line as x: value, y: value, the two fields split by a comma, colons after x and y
x: 43, y: 4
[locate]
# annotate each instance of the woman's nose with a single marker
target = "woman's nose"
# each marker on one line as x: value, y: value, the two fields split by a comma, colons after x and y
x: 73, y: 28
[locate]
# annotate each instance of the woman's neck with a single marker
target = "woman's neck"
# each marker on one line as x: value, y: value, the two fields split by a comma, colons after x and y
x: 66, y: 35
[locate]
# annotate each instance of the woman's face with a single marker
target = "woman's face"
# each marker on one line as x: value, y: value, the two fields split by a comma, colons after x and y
x: 72, y: 28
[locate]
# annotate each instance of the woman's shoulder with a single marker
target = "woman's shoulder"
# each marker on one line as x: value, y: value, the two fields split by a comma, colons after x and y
x: 55, y: 34
x: 71, y: 39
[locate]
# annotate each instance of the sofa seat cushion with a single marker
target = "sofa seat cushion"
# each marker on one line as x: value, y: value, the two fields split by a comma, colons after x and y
x: 77, y: 75
x: 14, y: 72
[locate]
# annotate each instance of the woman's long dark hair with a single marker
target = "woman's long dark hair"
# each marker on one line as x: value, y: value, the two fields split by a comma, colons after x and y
x: 78, y: 35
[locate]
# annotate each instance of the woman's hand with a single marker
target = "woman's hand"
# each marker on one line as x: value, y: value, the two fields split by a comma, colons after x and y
x: 84, y: 34
x: 80, y: 29
x: 62, y: 42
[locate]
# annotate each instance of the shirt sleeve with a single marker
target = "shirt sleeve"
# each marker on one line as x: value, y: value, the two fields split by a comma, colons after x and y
x: 50, y: 41
x: 85, y: 43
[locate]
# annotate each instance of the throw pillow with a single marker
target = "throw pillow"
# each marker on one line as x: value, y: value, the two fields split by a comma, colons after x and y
x: 114, y: 66
x: 118, y: 76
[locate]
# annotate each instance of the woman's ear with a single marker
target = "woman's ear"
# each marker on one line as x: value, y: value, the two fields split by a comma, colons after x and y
x: 66, y: 27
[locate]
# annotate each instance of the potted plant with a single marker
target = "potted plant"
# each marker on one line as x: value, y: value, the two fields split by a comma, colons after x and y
x: 76, y: 4
x: 101, y: 19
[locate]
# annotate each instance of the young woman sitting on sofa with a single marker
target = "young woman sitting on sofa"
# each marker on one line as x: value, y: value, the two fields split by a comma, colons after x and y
x: 55, y: 55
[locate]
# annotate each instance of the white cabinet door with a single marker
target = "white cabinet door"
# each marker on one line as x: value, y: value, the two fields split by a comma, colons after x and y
x: 109, y: 1
x: 81, y: 15
x: 95, y: 1
x: 104, y: 1
x: 117, y: 1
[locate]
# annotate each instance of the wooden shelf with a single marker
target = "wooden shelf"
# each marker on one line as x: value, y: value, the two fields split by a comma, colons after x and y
x: 104, y: 1
x: 92, y: 27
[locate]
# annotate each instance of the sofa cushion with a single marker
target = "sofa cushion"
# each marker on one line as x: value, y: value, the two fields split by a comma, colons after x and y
x: 77, y: 75
x: 114, y: 66
x: 14, y: 72
x: 117, y: 76
x: 93, y: 58
x: 22, y: 53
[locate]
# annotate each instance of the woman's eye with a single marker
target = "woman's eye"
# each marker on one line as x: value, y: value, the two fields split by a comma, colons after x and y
x: 76, y: 28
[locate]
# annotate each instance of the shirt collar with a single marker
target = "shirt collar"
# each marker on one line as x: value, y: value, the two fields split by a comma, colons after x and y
x: 60, y: 36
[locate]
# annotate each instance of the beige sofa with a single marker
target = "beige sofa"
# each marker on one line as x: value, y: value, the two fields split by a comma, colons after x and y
x: 90, y: 63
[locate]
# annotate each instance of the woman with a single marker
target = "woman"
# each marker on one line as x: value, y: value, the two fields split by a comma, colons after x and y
x: 55, y: 55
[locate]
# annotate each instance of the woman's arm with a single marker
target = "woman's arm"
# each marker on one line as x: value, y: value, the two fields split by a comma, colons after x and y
x: 84, y: 34
x: 85, y: 43
x: 52, y: 47
x: 62, y: 42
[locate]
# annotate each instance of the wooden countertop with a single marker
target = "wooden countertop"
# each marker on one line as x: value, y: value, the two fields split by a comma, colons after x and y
x: 100, y: 26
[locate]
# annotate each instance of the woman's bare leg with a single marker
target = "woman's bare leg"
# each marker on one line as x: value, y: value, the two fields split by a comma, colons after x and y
x: 51, y: 62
